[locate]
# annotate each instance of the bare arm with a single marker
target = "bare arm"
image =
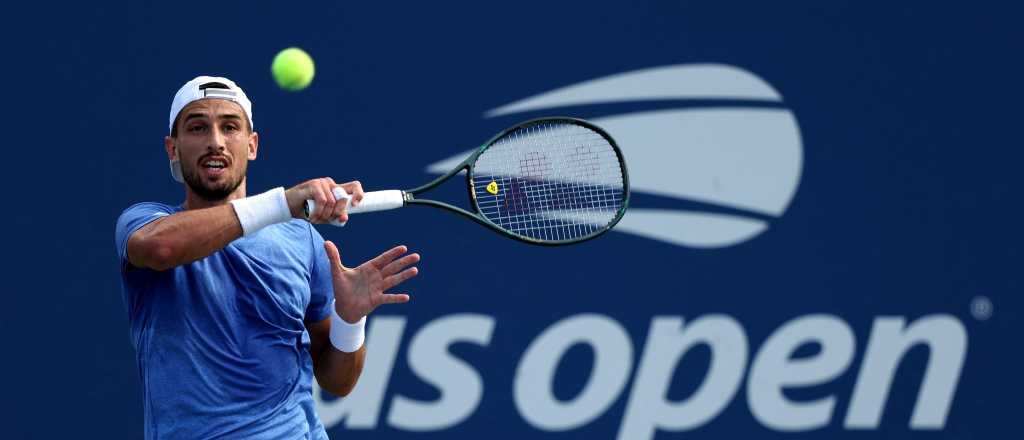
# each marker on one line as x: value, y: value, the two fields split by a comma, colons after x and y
x: 357, y: 292
x: 194, y: 234
x: 183, y: 237
x: 335, y: 370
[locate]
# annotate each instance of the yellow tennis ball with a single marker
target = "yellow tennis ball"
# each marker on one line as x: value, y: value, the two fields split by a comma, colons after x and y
x: 293, y: 69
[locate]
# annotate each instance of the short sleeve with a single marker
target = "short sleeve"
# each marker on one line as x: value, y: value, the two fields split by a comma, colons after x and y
x: 321, y: 289
x: 133, y: 219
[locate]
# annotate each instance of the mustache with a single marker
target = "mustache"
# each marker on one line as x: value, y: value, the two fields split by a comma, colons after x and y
x: 223, y: 157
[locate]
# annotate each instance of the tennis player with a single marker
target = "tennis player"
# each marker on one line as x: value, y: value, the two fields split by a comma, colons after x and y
x: 236, y: 303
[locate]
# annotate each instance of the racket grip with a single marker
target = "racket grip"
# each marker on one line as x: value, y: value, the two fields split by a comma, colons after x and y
x: 372, y: 201
x: 379, y: 201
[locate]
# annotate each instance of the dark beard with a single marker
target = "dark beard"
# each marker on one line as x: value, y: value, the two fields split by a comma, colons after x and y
x: 206, y: 193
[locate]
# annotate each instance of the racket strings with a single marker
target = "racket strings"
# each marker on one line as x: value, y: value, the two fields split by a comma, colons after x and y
x: 551, y: 181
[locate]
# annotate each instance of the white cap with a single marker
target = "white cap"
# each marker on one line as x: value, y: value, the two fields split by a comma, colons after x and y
x: 203, y: 87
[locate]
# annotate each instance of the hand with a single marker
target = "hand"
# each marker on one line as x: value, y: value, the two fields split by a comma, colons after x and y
x: 359, y: 291
x: 322, y: 192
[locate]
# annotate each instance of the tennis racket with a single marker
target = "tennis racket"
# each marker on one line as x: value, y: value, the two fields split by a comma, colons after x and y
x: 548, y: 181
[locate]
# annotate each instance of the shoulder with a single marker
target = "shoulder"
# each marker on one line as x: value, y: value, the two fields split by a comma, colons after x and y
x: 150, y: 208
x: 144, y: 212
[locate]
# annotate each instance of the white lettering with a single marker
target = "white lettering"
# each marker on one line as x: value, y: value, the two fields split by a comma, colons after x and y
x: 648, y: 409
x: 667, y: 342
x: 613, y: 360
x: 774, y: 369
x: 890, y: 340
x: 460, y: 385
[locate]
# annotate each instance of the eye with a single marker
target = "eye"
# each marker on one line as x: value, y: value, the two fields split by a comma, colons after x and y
x: 197, y: 128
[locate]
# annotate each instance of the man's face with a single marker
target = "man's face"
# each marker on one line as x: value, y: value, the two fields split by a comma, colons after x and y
x: 214, y: 145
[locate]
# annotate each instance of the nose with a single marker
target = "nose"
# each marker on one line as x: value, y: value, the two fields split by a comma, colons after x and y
x: 216, y: 140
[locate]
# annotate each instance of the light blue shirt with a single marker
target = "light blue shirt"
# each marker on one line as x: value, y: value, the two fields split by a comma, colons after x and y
x: 221, y: 344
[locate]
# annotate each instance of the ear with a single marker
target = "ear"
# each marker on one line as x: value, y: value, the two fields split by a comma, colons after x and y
x: 254, y: 145
x: 172, y: 151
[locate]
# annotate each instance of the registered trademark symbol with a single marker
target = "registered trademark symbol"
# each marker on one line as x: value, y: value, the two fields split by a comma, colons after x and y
x: 981, y: 308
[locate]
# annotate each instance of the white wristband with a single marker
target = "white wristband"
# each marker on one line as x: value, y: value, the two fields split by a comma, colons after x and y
x: 344, y: 336
x: 261, y: 210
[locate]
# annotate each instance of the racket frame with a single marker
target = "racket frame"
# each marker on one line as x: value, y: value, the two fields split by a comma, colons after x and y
x: 469, y: 164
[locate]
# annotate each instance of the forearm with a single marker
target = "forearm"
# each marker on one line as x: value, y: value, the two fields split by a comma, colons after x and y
x: 184, y: 237
x: 337, y: 371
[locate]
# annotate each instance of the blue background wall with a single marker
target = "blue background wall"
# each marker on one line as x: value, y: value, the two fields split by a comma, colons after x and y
x: 907, y: 201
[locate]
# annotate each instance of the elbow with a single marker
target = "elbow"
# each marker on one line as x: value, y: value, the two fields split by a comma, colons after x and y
x: 346, y: 388
x: 336, y: 372
x: 163, y: 258
x: 156, y: 254
x: 338, y: 388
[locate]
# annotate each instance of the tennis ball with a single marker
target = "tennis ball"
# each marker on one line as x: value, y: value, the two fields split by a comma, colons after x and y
x: 292, y: 69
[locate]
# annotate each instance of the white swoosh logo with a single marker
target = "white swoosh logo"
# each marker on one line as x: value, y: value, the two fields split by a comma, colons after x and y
x: 688, y: 81
x: 747, y: 158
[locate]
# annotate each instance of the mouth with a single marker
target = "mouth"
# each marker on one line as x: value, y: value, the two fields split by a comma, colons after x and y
x: 214, y: 166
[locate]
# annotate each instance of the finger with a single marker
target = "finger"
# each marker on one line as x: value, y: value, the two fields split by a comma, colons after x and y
x: 336, y: 258
x: 332, y: 253
x: 397, y: 265
x: 314, y: 193
x: 382, y: 260
x: 327, y: 186
x: 355, y: 189
x: 400, y: 277
x: 341, y: 210
x: 396, y: 298
x: 324, y: 202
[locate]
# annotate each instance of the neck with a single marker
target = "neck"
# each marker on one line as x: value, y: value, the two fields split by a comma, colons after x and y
x: 193, y: 201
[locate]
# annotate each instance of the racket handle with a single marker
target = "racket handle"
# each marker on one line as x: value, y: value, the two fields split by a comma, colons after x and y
x: 379, y: 201
x: 372, y: 201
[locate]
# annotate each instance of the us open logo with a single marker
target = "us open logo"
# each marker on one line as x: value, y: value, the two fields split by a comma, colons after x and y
x: 714, y: 156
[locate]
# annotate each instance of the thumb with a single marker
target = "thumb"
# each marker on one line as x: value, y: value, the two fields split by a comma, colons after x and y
x: 333, y: 254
